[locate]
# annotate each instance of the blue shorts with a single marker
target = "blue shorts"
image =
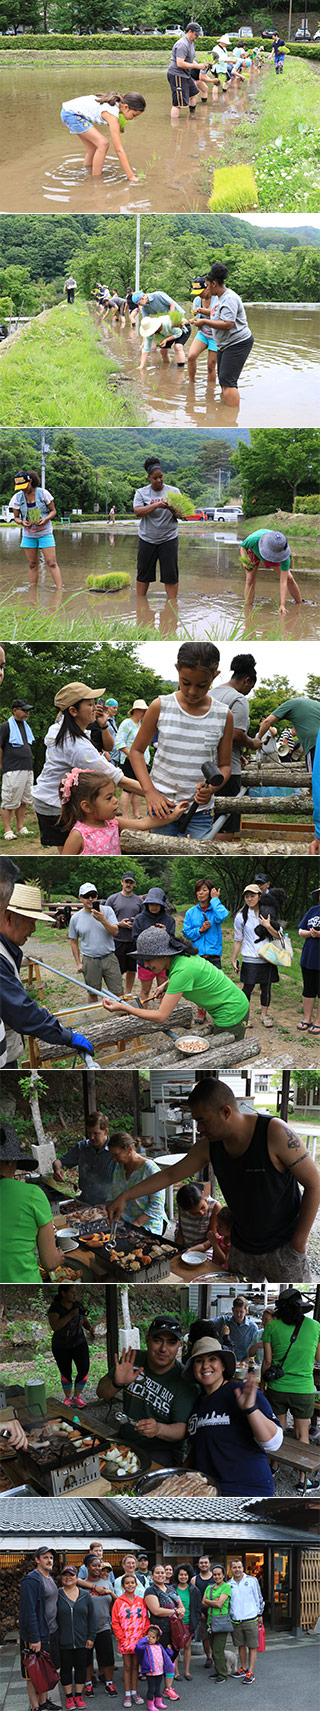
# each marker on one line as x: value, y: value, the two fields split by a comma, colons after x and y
x: 37, y: 540
x: 210, y: 343
x: 74, y: 122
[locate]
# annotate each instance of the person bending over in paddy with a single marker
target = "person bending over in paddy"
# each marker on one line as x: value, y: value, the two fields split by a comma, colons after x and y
x: 232, y: 333
x: 190, y: 977
x: 193, y: 730
x: 158, y: 532
x: 158, y: 305
x: 269, y: 548
x: 259, y: 1163
x: 34, y: 507
x: 84, y: 113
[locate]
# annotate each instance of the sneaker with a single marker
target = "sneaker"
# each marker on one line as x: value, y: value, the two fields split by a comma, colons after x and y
x: 70, y: 1702
x: 67, y: 1400
x: 110, y: 1687
x: 80, y: 1401
x: 9, y: 836
x: 208, y: 1663
x: 80, y: 1702
x: 136, y: 1698
x: 88, y: 1689
x: 240, y: 1671
x: 170, y: 1693
x: 127, y: 1699
x: 248, y: 1677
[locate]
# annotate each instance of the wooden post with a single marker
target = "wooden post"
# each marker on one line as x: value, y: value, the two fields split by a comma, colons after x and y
x: 112, y: 1327
x: 136, y: 1102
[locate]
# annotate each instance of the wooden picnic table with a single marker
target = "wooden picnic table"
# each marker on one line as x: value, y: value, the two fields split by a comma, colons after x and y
x: 305, y: 1457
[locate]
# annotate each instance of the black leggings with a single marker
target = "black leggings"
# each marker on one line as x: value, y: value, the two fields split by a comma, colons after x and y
x: 265, y: 991
x: 154, y: 1686
x: 67, y: 1355
x: 76, y: 1658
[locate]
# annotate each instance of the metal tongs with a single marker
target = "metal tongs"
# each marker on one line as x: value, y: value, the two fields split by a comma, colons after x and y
x: 113, y: 1234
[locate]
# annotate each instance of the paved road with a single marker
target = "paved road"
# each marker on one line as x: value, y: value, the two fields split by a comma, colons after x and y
x: 285, y: 1673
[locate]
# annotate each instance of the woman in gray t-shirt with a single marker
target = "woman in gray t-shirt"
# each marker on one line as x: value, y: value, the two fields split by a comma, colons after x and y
x: 231, y: 332
x: 158, y: 532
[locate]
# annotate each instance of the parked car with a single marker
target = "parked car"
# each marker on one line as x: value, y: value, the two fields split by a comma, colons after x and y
x: 303, y: 35
x: 245, y: 31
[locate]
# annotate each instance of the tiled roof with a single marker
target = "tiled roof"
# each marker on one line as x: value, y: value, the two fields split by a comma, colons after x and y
x: 49, y: 1515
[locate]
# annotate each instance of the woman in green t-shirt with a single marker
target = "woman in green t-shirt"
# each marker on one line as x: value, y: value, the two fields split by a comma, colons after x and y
x: 294, y: 1388
x: 26, y: 1230
x: 183, y: 1588
x: 191, y: 977
x: 271, y: 549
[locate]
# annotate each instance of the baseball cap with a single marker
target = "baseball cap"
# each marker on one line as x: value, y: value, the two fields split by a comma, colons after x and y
x: 73, y: 692
x: 163, y: 1322
x: 18, y: 701
x: 136, y: 296
x: 87, y: 890
x: 129, y: 876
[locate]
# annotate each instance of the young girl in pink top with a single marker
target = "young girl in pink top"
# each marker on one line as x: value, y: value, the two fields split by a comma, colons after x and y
x: 91, y: 810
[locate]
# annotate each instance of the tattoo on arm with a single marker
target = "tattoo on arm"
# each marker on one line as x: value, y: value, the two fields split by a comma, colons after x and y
x: 294, y: 1144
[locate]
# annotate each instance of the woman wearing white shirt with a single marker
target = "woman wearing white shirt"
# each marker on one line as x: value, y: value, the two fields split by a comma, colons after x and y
x: 68, y: 745
x: 85, y: 112
x: 254, y: 971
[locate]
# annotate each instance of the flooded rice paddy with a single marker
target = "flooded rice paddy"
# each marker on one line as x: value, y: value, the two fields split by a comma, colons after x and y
x: 42, y: 163
x: 282, y: 375
x: 210, y: 599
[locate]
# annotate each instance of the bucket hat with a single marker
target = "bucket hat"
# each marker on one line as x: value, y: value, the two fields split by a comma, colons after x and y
x: 273, y: 546
x: 210, y: 1346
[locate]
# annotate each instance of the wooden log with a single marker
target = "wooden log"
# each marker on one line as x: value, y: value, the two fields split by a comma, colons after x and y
x: 218, y: 1057
x: 145, y: 844
x: 260, y: 773
x: 287, y: 805
x: 113, y: 1028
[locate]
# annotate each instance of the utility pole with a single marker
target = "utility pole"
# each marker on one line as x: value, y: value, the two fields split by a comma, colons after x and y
x: 137, y: 272
x: 43, y: 457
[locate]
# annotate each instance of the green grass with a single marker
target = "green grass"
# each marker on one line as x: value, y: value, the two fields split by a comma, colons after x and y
x: 234, y: 190
x: 110, y: 579
x: 283, y: 144
x: 57, y: 372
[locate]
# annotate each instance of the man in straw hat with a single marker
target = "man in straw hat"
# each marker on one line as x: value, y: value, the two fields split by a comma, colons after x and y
x: 21, y: 1015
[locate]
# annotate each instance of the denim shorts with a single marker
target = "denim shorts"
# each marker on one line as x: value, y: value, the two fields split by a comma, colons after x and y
x: 198, y: 827
x: 74, y: 122
x: 37, y: 540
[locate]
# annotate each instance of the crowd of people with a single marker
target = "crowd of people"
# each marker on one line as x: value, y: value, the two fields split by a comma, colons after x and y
x: 176, y: 754
x: 217, y: 315
x: 215, y: 1400
x: 75, y: 1616
x: 127, y: 937
x: 259, y: 1229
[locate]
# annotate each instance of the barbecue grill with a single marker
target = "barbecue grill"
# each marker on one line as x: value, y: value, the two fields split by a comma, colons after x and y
x: 129, y: 1254
x: 59, y: 1461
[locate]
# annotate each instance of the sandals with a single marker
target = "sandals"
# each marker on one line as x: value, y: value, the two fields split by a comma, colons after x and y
x: 266, y: 1023
x: 303, y: 1027
x: 315, y: 1028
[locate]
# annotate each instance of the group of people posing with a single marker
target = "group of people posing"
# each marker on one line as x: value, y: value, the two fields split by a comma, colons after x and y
x: 153, y: 1613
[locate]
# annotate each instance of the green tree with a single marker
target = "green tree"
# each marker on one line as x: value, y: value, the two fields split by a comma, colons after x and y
x: 272, y: 691
x: 313, y: 687
x: 276, y: 466
x: 71, y: 476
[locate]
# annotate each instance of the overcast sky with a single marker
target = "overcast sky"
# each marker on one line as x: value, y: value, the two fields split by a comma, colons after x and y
x: 289, y: 220
x: 295, y: 661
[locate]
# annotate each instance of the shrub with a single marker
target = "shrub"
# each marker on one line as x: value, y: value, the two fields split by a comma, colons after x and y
x: 110, y: 580
x: 310, y: 505
x: 104, y: 42
x: 234, y: 190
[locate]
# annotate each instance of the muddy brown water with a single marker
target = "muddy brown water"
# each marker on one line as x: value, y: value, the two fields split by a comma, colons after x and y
x: 210, y: 589
x: 42, y: 163
x: 282, y: 374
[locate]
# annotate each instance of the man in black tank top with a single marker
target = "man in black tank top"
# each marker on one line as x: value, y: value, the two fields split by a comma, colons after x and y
x: 259, y: 1163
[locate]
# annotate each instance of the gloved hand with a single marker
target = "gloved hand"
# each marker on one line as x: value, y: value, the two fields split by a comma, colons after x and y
x: 83, y: 1045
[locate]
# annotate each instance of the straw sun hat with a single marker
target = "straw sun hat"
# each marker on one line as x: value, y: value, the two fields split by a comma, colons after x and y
x: 26, y: 900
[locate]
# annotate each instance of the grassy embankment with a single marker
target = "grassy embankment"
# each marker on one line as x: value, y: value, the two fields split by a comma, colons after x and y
x: 280, y: 137
x: 57, y: 371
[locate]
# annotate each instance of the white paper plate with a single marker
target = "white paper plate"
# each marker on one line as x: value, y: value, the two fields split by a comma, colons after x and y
x: 192, y: 1257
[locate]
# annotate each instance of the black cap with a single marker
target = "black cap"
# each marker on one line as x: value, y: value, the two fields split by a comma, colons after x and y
x: 128, y: 876
x: 164, y: 1323
x: 18, y: 701
x: 261, y: 878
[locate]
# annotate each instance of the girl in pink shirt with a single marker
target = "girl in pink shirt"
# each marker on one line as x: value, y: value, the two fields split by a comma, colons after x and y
x: 130, y: 1620
x: 90, y: 810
